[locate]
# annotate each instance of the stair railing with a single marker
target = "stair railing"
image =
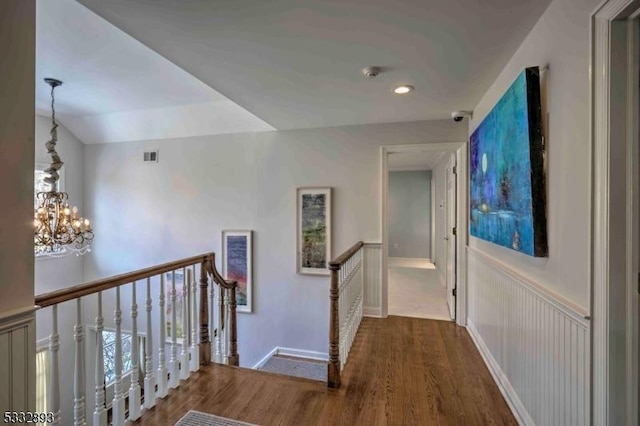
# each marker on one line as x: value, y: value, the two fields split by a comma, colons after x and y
x: 346, y: 296
x: 195, y: 330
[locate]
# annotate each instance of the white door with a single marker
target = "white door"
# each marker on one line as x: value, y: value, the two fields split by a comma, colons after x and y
x: 450, y: 236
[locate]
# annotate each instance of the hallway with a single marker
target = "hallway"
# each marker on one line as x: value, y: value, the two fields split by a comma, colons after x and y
x: 401, y: 371
x: 415, y: 290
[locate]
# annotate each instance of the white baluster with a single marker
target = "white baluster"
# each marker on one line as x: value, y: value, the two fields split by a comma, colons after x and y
x: 134, y: 389
x: 195, y: 352
x: 220, y: 305
x: 100, y: 412
x: 174, y: 372
x: 54, y: 383
x: 78, y: 383
x: 184, y: 355
x: 118, y: 397
x: 162, y: 366
x: 149, y: 378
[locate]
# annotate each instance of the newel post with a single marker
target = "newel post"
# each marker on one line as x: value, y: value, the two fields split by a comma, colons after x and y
x: 205, y: 344
x: 233, y: 357
x: 333, y: 373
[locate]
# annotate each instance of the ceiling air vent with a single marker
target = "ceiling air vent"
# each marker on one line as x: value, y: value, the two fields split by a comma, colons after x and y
x: 151, y: 156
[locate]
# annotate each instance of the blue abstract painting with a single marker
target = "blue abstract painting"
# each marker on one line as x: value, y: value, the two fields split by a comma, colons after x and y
x: 507, y: 189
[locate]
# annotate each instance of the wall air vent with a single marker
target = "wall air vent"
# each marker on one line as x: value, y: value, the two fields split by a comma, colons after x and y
x: 151, y: 156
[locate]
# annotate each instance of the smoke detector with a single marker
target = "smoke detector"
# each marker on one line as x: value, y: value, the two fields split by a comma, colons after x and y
x: 371, y: 72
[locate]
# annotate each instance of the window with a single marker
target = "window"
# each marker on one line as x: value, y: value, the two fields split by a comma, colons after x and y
x: 109, y: 353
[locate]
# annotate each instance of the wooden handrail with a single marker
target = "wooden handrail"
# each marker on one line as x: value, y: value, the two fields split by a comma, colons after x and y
x: 340, y: 260
x: 59, y: 296
x: 207, y: 260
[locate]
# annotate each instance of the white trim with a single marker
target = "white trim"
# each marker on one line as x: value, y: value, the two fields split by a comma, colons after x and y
x: 411, y: 259
x: 16, y: 317
x: 264, y: 360
x: 372, y: 312
x: 461, y: 151
x: 298, y: 353
x: 509, y: 394
x: 632, y: 249
x: 607, y: 47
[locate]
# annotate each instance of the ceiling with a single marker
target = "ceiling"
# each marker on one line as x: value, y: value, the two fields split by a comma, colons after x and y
x: 420, y: 160
x: 110, y: 78
x: 203, y: 67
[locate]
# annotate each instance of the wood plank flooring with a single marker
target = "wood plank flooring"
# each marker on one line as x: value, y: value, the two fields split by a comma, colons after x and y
x: 401, y: 371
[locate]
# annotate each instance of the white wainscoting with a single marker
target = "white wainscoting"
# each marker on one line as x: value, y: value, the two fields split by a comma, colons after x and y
x: 535, y: 344
x: 17, y: 361
x: 372, y: 306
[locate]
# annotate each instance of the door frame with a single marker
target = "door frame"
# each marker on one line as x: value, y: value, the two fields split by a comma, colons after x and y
x: 614, y: 207
x: 461, y: 150
x: 451, y: 175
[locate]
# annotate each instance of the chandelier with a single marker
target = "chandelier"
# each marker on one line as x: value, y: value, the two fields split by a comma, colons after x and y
x: 58, y: 229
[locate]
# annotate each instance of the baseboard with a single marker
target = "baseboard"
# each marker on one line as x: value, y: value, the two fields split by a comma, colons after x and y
x: 264, y: 360
x: 369, y: 311
x: 301, y: 353
x: 509, y: 394
x: 298, y: 353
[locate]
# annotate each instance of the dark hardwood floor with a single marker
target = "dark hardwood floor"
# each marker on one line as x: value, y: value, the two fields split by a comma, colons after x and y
x: 401, y: 371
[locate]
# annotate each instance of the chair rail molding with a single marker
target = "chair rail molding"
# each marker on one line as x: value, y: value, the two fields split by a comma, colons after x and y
x: 613, y: 266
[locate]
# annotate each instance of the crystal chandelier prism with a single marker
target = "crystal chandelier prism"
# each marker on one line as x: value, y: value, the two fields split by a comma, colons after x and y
x: 59, y: 230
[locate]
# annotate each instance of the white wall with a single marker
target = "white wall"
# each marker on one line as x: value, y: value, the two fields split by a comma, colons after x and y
x: 17, y: 19
x: 17, y: 359
x: 202, y: 185
x: 410, y: 214
x: 560, y: 40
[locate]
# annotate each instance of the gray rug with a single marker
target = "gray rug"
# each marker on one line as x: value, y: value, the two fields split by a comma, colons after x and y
x: 297, y: 368
x: 196, y: 418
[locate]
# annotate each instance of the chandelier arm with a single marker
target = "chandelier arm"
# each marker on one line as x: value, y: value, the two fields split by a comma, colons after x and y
x: 56, y: 162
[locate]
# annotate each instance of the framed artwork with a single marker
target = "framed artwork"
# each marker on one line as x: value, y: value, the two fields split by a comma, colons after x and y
x: 169, y: 305
x: 237, y: 265
x: 507, y: 182
x: 313, y: 221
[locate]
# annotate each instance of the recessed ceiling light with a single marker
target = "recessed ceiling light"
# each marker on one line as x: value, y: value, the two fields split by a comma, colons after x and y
x: 401, y: 90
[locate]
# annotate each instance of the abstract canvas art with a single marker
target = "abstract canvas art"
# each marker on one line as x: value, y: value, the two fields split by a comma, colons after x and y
x: 313, y: 230
x: 237, y: 265
x: 507, y: 184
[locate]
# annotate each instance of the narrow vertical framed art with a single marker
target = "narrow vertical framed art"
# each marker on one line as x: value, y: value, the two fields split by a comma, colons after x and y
x: 313, y: 223
x: 237, y: 265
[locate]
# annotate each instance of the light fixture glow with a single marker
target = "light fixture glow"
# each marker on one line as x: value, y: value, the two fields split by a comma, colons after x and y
x: 401, y: 90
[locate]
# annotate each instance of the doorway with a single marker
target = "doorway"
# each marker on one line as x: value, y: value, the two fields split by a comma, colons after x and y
x: 422, y: 205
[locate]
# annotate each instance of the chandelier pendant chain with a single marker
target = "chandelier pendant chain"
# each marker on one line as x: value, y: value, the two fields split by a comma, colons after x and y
x: 56, y: 162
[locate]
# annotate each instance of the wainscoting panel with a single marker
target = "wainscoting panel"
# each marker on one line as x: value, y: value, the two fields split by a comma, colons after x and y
x: 372, y: 279
x: 535, y: 344
x: 17, y: 361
